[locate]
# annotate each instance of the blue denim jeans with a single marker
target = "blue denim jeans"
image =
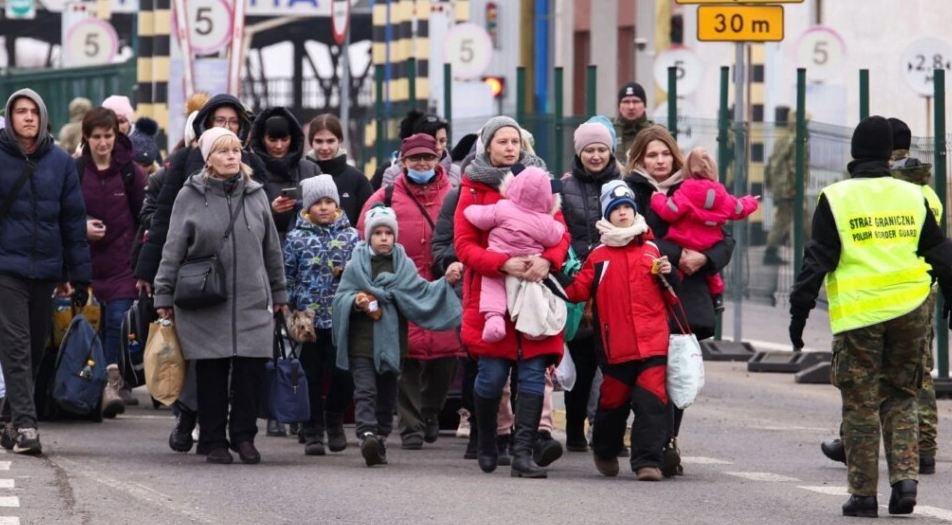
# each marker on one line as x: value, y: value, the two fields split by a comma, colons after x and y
x: 494, y: 372
x: 111, y: 327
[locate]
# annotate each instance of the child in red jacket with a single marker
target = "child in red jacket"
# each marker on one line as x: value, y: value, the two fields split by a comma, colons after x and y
x: 630, y: 312
x: 698, y: 209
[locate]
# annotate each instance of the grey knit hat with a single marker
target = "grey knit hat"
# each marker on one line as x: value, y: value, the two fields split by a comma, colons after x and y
x: 493, y: 125
x: 316, y: 188
x: 379, y: 215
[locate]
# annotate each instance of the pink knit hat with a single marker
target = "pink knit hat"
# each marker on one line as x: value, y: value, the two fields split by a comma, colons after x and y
x: 121, y: 106
x: 591, y: 133
x: 209, y: 137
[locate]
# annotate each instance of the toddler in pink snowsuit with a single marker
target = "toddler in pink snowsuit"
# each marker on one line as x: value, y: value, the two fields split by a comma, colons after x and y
x: 698, y: 209
x: 521, y: 223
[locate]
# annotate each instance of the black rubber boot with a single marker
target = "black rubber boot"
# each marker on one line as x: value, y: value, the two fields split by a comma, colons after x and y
x: 903, y: 498
x: 486, y: 412
x: 834, y: 450
x: 472, y: 444
x: 528, y: 412
x: 861, y: 507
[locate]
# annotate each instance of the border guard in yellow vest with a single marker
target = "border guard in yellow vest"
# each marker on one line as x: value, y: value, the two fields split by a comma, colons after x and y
x: 873, y: 242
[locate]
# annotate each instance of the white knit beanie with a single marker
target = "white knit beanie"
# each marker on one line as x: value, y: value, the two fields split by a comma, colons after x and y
x: 316, y: 188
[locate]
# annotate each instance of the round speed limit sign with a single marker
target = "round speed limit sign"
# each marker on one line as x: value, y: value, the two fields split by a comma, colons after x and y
x: 209, y: 24
x: 90, y: 42
x: 823, y: 53
x: 469, y: 50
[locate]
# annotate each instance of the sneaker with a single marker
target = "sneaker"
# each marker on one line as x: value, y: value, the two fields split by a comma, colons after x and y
x: 314, y: 447
x: 671, y: 460
x: 7, y: 435
x: 248, y: 453
x: 128, y: 398
x: 112, y: 404
x: 649, y: 474
x: 462, y: 431
x: 606, y: 467
x: 431, y: 430
x: 276, y: 428
x: 28, y: 442
x: 370, y: 449
x: 220, y: 456
x: 180, y: 439
x: 411, y: 442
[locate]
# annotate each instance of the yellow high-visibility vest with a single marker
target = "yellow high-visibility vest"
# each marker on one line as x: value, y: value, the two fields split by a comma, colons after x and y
x: 935, y: 204
x: 879, y: 276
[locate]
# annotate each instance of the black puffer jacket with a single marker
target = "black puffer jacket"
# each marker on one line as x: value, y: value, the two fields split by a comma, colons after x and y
x: 286, y: 172
x: 581, y: 204
x: 182, y: 164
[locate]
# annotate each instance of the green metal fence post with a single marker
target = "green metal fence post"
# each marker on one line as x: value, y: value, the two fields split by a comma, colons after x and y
x: 411, y: 77
x: 942, y: 335
x: 863, y: 93
x: 723, y: 160
x: 521, y: 95
x: 799, y: 170
x: 448, y: 97
x: 673, y: 101
x: 559, y: 122
x: 591, y: 84
x: 378, y: 113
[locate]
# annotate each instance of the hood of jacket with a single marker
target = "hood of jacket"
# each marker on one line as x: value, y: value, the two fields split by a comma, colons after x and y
x: 199, y: 183
x: 912, y: 170
x: 44, y: 140
x: 278, y: 167
x: 216, y: 102
x: 530, y: 190
x: 340, y: 223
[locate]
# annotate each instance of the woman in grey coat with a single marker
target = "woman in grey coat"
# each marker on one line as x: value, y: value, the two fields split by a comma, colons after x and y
x: 235, y: 337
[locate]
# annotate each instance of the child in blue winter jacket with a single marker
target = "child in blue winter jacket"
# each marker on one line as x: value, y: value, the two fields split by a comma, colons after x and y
x: 315, y: 253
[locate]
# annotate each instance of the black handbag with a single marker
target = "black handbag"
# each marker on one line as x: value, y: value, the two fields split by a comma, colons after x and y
x: 201, y: 281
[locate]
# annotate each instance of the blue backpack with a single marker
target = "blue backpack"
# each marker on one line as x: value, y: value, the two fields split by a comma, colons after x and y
x: 80, y: 369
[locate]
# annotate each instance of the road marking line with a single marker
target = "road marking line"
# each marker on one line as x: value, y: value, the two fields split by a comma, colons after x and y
x: 933, y: 512
x: 9, y: 520
x: 789, y: 428
x: 9, y: 501
x: 829, y: 490
x: 5, y: 465
x: 6, y: 484
x: 762, y: 476
x: 701, y: 460
x: 781, y: 347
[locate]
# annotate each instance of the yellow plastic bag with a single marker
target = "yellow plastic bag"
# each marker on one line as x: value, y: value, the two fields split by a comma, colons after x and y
x: 164, y: 363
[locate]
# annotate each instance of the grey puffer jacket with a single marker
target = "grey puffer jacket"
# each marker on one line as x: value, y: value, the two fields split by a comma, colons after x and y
x: 581, y: 204
x: 253, y: 262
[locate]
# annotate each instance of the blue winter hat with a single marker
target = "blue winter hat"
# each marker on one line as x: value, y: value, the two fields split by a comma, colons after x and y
x: 614, y: 193
x: 605, y: 121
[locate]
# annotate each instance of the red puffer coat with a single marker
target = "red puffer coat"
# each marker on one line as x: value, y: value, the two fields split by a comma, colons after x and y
x: 415, y: 233
x: 471, y: 249
x: 629, y: 305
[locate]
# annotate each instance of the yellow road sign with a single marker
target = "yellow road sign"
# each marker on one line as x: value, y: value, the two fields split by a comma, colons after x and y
x: 736, y: 2
x: 724, y: 23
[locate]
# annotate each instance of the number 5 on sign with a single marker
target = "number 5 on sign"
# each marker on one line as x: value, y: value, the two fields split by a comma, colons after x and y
x: 91, y: 42
x: 209, y: 24
x: 469, y: 49
x: 822, y: 52
x: 740, y: 23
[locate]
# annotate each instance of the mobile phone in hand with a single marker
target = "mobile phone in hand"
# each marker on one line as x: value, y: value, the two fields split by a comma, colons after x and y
x: 291, y: 193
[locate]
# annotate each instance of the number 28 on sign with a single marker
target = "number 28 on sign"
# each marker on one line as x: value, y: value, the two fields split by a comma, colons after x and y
x: 734, y: 23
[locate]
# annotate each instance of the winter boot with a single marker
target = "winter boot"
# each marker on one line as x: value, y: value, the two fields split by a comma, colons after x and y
x: 472, y: 445
x: 834, y: 450
x: 336, y: 438
x: 504, y: 446
x: 111, y: 401
x: 180, y: 439
x: 671, y: 459
x: 486, y: 412
x: 861, y: 506
x: 546, y: 449
x: 528, y: 412
x: 903, y: 497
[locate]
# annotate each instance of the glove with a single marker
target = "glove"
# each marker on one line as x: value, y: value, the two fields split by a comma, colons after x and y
x: 796, y: 331
x: 80, y: 294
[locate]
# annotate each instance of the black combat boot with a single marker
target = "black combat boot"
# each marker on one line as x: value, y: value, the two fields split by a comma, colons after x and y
x: 903, y: 498
x: 486, y: 412
x: 834, y: 450
x: 861, y: 506
x: 528, y: 412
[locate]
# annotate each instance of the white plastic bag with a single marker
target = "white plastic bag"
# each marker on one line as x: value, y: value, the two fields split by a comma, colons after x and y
x: 564, y: 377
x: 685, y: 369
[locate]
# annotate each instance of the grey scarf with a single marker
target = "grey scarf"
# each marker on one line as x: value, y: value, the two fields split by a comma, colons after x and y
x: 481, y: 170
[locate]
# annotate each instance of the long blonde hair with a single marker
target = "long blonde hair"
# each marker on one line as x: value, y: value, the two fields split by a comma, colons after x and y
x: 223, y: 142
x: 636, y: 153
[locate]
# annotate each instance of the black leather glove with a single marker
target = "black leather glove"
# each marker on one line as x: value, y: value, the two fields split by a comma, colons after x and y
x: 80, y: 294
x: 796, y: 331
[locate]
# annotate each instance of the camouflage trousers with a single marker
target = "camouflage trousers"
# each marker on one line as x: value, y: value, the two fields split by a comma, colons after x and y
x: 879, y: 370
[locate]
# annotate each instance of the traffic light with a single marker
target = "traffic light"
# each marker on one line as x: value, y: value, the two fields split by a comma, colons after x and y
x: 497, y: 85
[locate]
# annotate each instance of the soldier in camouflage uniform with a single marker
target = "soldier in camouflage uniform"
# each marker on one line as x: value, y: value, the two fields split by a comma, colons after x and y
x: 632, y: 118
x: 780, y: 178
x: 911, y: 170
x: 874, y: 240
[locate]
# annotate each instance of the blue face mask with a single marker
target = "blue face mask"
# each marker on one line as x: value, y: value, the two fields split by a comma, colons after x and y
x: 421, y: 177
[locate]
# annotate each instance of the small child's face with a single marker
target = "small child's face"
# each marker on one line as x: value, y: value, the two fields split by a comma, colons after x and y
x: 381, y: 240
x: 622, y: 216
x: 323, y: 212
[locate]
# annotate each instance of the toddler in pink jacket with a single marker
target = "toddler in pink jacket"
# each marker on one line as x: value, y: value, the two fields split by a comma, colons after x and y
x: 521, y: 223
x: 698, y: 209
